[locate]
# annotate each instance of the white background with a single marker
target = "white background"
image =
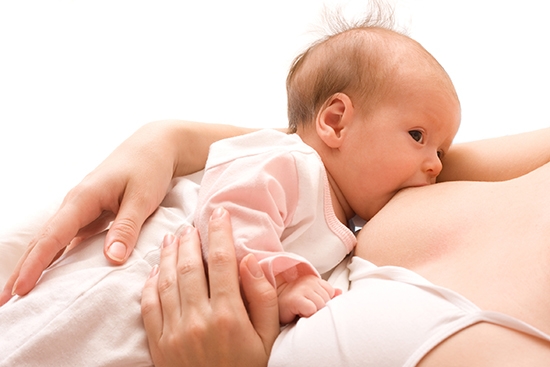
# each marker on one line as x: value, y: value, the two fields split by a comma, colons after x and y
x: 78, y: 77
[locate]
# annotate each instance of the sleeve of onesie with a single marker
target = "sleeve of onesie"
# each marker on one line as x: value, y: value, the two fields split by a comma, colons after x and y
x: 261, y: 194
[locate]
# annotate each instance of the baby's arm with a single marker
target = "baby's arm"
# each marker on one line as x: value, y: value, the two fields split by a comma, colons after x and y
x: 259, y: 186
x: 303, y: 297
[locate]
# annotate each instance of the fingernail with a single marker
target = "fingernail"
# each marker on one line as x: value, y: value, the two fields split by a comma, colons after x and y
x: 154, y: 271
x: 186, y: 230
x: 14, y: 289
x: 254, y: 267
x: 168, y: 240
x: 117, y: 251
x: 217, y: 213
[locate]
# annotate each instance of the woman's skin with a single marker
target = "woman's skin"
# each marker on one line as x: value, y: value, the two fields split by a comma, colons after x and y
x: 488, y: 241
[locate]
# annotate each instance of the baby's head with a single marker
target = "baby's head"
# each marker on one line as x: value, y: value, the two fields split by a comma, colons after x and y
x: 349, y: 62
x: 363, y: 61
x: 379, y: 109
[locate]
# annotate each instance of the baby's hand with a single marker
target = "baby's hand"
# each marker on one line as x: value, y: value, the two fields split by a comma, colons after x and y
x: 303, y: 297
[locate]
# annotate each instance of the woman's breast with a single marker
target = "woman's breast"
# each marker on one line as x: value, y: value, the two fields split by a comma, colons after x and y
x: 454, y: 228
x: 475, y: 238
x: 419, y: 225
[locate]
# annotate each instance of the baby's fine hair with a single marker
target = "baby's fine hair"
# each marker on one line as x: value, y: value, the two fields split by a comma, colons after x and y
x: 352, y: 58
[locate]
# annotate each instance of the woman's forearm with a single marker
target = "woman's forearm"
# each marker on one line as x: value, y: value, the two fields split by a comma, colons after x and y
x: 190, y: 141
x: 497, y: 159
x: 193, y: 140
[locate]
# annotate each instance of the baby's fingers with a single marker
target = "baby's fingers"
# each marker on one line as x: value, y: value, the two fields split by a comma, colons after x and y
x: 316, y: 298
x: 329, y: 290
x: 308, y: 306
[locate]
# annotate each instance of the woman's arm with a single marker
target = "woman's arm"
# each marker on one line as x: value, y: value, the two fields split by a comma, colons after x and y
x: 497, y: 159
x: 127, y: 187
x: 191, y: 141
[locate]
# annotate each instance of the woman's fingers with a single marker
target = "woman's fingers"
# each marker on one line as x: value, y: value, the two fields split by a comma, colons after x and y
x: 138, y: 203
x: 58, y: 232
x: 151, y: 312
x: 225, y: 291
x: 262, y: 301
x: 7, y: 292
x: 95, y: 227
x: 189, y: 326
x: 222, y: 263
x: 168, y: 282
x: 192, y: 282
x: 181, y: 280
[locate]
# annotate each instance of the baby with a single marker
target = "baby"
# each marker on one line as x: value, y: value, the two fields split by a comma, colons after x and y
x: 370, y: 112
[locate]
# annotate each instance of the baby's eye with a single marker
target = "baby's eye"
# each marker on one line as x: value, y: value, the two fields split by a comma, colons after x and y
x: 416, y: 135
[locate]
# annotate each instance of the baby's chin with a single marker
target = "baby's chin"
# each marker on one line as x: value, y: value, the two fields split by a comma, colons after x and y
x: 373, y: 208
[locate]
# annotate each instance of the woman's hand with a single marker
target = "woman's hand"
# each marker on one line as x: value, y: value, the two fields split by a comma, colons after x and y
x: 129, y: 184
x: 194, y: 320
x: 127, y: 187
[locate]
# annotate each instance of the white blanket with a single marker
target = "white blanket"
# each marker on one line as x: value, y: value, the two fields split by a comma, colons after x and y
x: 85, y: 311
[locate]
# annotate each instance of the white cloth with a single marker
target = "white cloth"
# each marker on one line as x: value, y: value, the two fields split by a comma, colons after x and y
x: 85, y: 311
x: 390, y: 317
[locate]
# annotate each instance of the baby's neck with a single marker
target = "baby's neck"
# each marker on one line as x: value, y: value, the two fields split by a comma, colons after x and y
x: 339, y: 203
x: 337, y: 200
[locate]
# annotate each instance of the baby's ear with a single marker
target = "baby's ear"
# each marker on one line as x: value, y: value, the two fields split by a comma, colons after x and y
x: 333, y: 118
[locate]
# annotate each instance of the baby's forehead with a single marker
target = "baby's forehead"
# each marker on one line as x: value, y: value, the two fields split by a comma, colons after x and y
x: 408, y: 66
x: 411, y: 64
